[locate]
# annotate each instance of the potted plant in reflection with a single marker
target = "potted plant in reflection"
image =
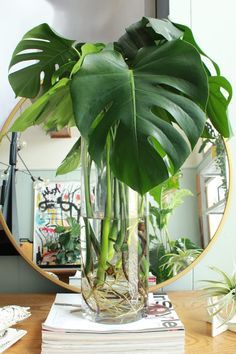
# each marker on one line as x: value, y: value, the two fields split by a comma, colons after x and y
x: 168, y: 256
x: 140, y: 104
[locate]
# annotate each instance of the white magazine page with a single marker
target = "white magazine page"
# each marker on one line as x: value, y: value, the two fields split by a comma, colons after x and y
x: 66, y: 316
x: 10, y: 337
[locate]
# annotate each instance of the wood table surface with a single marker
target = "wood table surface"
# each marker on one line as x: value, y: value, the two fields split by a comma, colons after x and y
x: 189, y: 306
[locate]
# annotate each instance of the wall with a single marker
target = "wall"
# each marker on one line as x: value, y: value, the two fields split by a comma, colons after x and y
x: 14, y: 22
x: 213, y: 25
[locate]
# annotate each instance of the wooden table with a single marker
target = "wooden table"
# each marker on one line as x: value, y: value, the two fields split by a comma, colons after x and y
x: 189, y: 306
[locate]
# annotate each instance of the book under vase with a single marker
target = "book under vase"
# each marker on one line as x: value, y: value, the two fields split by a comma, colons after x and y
x: 66, y: 330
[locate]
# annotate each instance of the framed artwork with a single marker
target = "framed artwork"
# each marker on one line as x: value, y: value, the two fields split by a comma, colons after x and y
x: 56, y: 241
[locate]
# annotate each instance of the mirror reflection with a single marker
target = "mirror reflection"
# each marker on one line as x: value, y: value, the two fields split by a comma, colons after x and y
x: 42, y: 208
x: 186, y: 211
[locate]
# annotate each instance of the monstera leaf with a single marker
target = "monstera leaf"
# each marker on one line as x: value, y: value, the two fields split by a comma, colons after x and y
x: 71, y: 161
x: 45, y: 51
x: 150, y: 31
x: 218, y: 104
x: 53, y: 110
x: 145, y: 33
x: 170, y: 77
x: 220, y: 90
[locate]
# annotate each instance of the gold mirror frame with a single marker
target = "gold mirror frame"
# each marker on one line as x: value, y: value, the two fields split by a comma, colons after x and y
x: 58, y: 282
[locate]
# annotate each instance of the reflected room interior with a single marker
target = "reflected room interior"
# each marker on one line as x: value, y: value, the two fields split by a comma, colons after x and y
x: 184, y: 212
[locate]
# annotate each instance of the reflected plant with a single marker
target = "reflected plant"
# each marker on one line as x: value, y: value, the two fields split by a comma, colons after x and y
x: 167, y: 196
x: 68, y: 242
x: 63, y: 245
x: 216, y: 140
x: 181, y: 258
x: 168, y: 257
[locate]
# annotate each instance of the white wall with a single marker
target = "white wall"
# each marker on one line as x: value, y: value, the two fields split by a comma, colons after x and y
x: 100, y: 20
x: 213, y: 24
x: 16, y: 18
x: 41, y: 152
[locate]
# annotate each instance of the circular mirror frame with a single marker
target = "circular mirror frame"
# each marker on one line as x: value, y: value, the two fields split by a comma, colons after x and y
x: 72, y: 288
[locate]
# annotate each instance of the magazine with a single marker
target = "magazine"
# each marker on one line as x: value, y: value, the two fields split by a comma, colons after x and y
x: 66, y: 316
x: 67, y: 331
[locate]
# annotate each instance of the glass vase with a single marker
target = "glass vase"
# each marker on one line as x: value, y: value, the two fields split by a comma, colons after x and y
x: 114, y: 245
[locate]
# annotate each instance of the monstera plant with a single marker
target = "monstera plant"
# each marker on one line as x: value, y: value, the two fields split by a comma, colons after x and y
x: 140, y: 104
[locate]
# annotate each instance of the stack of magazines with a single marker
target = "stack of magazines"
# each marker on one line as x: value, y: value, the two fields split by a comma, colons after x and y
x: 66, y: 331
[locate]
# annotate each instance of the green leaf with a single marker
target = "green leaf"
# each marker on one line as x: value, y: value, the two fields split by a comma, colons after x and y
x: 170, y: 77
x: 178, y: 197
x: 188, y: 37
x: 186, y: 244
x: 63, y: 71
x: 71, y: 161
x: 216, y: 290
x: 218, y: 104
x: 60, y: 229
x: 87, y: 48
x: 225, y: 277
x: 64, y: 238
x: 48, y: 51
x: 75, y: 227
x: 156, y: 260
x: 53, y: 110
x: 145, y: 33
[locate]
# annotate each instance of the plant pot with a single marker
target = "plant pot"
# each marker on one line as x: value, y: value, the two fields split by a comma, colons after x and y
x: 114, y: 246
x: 219, y: 319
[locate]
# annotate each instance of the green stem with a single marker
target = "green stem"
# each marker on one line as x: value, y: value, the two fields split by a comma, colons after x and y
x: 115, y: 224
x: 123, y: 212
x: 88, y: 260
x: 102, y: 263
x: 86, y: 166
x: 89, y: 211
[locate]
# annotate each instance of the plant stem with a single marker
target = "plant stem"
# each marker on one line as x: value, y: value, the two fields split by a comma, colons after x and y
x: 102, y: 263
x: 89, y: 211
x: 86, y: 164
x: 123, y: 213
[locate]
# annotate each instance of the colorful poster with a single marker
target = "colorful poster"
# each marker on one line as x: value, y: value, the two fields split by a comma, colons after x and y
x: 56, y: 224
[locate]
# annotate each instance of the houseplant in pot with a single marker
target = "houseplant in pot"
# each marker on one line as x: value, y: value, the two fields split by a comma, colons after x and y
x: 140, y: 104
x: 221, y: 295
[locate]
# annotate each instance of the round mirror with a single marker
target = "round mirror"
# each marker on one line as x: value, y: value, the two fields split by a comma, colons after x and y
x: 40, y: 208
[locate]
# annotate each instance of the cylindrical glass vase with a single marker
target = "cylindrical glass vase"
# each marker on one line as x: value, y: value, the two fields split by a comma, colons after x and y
x: 114, y: 246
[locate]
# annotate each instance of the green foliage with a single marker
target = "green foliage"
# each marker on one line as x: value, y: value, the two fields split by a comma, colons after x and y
x: 224, y: 290
x: 47, y: 50
x: 138, y: 88
x: 127, y: 97
x: 217, y: 104
x: 144, y: 33
x: 53, y: 110
x: 156, y: 261
x: 68, y: 245
x: 220, y: 90
x: 168, y: 196
x: 168, y: 257
x: 184, y: 253
x: 216, y: 140
x: 72, y: 159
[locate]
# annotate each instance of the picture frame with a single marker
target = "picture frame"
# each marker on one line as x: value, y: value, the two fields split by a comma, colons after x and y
x: 56, y: 205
